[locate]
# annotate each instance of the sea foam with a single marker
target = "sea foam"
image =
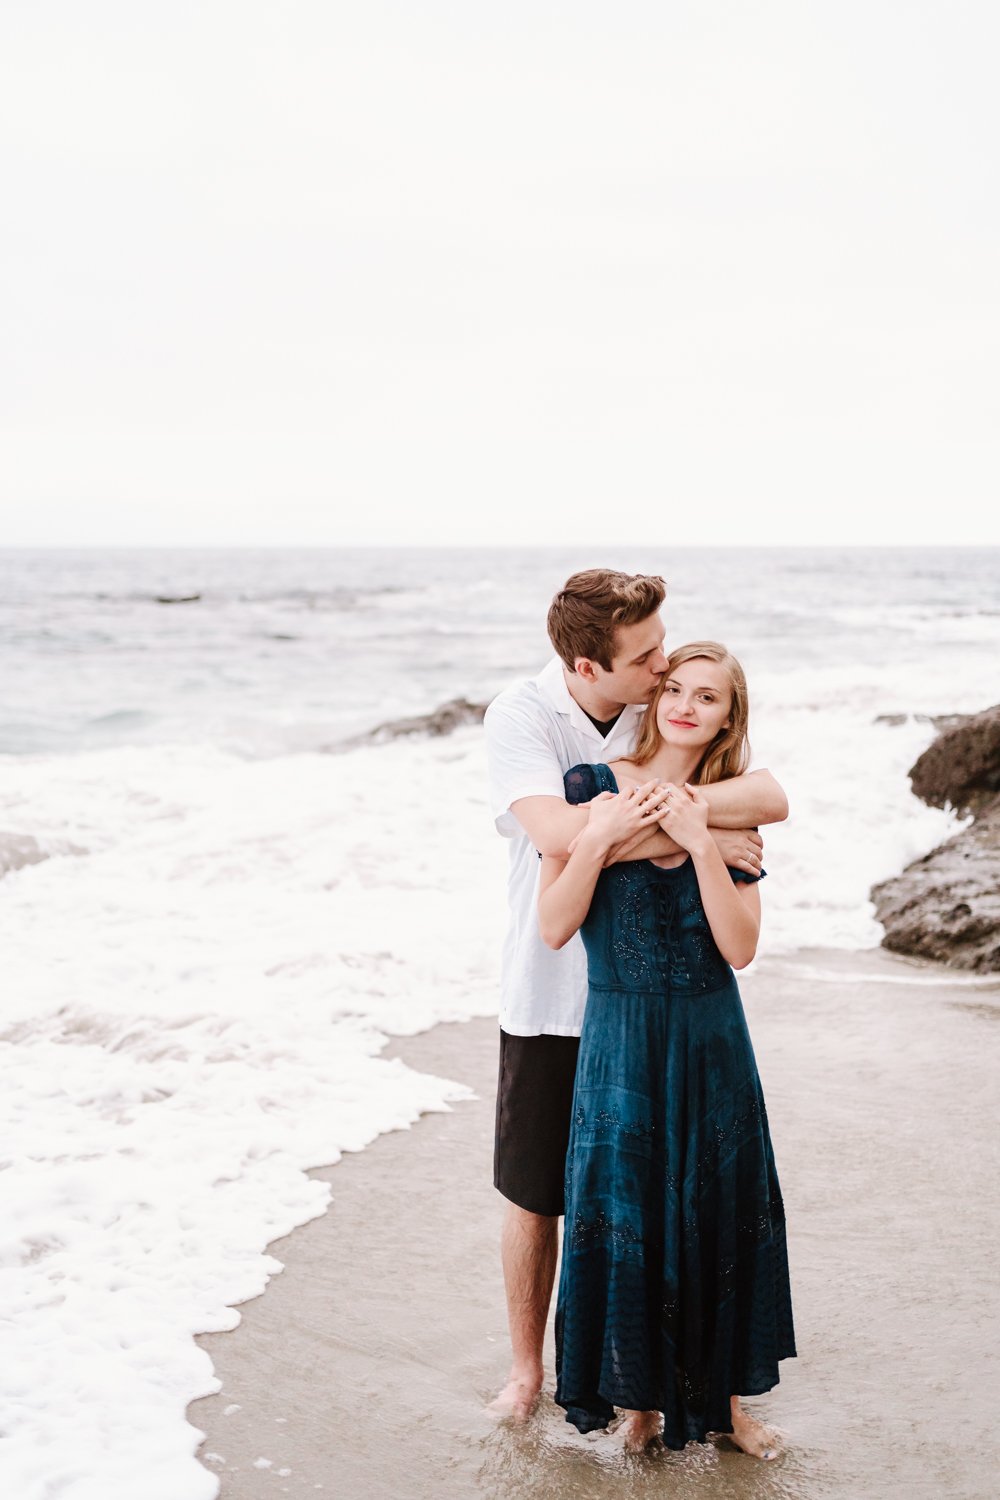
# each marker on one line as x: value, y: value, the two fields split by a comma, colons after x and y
x: 192, y: 1016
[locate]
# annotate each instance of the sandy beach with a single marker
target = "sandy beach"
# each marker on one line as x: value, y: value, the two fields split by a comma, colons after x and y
x: 365, y: 1368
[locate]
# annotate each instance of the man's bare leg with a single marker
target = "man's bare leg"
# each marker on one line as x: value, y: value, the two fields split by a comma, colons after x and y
x: 528, y: 1252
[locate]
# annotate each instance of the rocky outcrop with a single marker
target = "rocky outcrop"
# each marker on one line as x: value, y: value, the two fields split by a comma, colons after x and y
x: 962, y: 767
x: 441, y: 720
x: 946, y: 906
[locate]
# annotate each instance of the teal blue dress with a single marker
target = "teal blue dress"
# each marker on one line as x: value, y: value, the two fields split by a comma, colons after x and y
x: 673, y: 1289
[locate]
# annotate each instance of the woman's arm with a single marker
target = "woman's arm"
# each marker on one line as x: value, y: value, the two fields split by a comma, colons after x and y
x: 567, y: 886
x: 733, y: 911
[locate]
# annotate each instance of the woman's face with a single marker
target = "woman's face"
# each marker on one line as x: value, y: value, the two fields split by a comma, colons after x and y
x: 694, y: 704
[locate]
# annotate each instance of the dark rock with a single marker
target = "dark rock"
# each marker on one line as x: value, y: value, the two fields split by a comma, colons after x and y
x: 178, y: 598
x: 946, y: 906
x: 962, y: 767
x: 442, y: 720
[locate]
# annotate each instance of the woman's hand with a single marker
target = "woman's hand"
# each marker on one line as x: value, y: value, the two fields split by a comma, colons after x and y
x: 685, y: 816
x: 566, y: 887
x: 614, y: 817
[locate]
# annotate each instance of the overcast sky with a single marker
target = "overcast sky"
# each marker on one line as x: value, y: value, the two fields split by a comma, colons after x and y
x: 318, y: 271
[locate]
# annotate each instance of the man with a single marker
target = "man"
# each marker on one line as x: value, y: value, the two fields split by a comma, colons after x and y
x: 585, y: 706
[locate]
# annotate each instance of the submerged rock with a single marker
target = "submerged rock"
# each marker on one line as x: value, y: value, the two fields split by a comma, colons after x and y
x: 940, y: 721
x: 441, y: 720
x: 946, y: 906
x: 18, y: 850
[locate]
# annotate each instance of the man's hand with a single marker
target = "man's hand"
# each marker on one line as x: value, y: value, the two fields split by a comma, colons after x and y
x: 741, y: 848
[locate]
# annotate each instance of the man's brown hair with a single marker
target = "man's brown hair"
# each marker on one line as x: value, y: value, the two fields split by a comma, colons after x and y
x: 586, y: 612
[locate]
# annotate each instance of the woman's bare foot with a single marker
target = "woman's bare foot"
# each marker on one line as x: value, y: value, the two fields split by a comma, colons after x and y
x: 518, y: 1399
x: 750, y: 1435
x: 639, y: 1429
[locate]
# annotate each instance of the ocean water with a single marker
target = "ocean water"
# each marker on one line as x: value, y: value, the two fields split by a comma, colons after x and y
x: 219, y: 899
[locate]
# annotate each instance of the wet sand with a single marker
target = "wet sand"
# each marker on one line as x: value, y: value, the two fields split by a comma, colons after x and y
x: 364, y: 1370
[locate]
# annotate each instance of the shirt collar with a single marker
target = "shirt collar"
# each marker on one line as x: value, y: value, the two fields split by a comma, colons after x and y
x: 551, y: 682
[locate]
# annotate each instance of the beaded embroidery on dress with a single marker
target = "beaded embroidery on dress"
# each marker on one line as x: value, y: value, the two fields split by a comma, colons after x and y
x: 673, y: 1290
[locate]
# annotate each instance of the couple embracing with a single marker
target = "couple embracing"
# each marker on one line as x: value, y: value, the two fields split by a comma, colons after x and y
x: 628, y: 1095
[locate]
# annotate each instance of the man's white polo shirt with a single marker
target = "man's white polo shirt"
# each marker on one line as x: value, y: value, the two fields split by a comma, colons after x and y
x: 534, y: 733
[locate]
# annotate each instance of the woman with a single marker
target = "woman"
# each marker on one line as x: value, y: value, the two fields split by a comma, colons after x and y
x: 673, y: 1293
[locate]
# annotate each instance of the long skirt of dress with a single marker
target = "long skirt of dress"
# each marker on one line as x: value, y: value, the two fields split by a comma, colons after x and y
x: 674, y: 1291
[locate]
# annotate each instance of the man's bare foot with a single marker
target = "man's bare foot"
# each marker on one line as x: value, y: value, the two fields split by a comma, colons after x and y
x: 752, y: 1436
x: 639, y: 1429
x: 518, y: 1399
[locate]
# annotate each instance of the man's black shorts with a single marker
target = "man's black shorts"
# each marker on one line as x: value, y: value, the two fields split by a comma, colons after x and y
x: 534, y: 1101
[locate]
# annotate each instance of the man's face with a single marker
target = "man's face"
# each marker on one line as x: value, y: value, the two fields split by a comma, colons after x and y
x: 637, y: 665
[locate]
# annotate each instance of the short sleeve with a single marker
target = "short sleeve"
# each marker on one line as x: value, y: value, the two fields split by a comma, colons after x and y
x: 523, y: 760
x: 584, y: 782
x: 580, y: 784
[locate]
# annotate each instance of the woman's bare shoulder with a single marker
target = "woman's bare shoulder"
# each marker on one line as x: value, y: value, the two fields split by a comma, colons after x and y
x: 626, y: 768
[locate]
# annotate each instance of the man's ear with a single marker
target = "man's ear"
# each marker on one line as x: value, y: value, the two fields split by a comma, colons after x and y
x: 584, y: 667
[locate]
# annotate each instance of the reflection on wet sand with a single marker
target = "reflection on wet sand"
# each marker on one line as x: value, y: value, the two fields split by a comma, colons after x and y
x: 550, y: 1460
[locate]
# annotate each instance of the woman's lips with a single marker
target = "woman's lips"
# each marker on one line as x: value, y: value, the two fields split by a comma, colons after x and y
x: 683, y: 723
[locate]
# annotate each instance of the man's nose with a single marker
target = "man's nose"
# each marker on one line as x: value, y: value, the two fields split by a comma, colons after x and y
x: 658, y: 663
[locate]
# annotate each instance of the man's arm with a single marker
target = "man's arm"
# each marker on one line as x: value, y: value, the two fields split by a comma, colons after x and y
x: 745, y: 801
x: 526, y: 778
x: 735, y: 808
x: 550, y: 823
x: 526, y: 782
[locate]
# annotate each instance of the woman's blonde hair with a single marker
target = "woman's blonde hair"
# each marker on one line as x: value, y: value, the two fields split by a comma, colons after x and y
x: 729, y: 753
